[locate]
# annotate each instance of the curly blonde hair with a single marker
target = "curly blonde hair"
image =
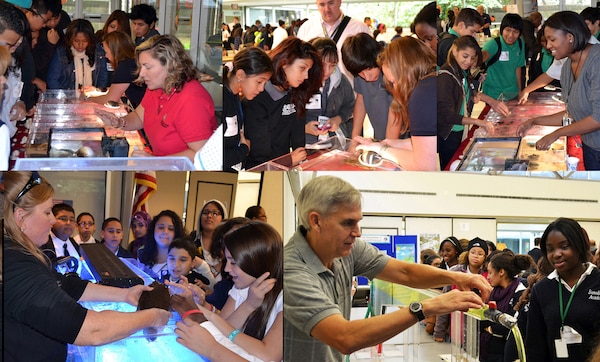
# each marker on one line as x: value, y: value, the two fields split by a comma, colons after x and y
x: 169, y: 51
x: 408, y: 61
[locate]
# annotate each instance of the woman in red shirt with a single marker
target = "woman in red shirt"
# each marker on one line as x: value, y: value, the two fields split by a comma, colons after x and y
x: 176, y: 113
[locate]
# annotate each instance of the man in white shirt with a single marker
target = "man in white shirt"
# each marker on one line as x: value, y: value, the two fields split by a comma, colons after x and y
x: 279, y: 34
x: 327, y: 24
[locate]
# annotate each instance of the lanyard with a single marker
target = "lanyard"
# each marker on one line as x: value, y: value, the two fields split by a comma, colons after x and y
x: 563, y: 314
x: 465, y: 95
x: 334, y: 30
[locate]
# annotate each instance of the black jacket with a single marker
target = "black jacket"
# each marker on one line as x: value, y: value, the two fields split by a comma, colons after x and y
x: 50, y: 251
x: 234, y: 152
x: 449, y: 101
x: 272, y: 125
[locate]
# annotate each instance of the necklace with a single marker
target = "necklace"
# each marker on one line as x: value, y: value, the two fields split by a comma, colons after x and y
x: 567, y: 119
x: 575, y: 73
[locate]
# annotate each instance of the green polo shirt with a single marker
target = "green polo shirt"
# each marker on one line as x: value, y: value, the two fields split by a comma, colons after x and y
x: 502, y: 76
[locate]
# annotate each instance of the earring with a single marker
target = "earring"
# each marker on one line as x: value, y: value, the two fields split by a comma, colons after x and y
x: 240, y: 89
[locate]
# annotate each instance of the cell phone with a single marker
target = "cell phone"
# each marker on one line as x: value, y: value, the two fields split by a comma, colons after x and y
x: 323, y: 125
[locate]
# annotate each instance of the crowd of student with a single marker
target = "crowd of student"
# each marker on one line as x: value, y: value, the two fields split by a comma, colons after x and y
x: 302, y: 92
x: 397, y: 102
x: 513, y: 277
x: 127, y: 59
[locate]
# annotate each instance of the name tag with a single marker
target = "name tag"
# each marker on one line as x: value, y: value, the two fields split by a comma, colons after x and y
x: 504, y: 56
x: 232, y: 126
x: 314, y: 102
x: 561, y: 349
x: 288, y: 109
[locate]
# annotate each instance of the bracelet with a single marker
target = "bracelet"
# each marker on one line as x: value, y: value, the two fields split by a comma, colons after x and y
x: 189, y: 312
x: 233, y: 334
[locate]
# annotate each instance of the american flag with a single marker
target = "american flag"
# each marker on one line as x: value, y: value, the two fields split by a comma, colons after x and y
x: 145, y: 185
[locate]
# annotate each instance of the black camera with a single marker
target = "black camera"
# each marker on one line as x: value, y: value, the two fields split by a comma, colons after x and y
x: 115, y: 146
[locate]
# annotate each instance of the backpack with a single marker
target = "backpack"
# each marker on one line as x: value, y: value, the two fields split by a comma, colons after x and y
x: 493, y: 59
x: 444, y: 45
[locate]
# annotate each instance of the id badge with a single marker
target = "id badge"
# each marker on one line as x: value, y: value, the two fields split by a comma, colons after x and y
x: 314, y: 102
x: 570, y: 335
x: 504, y: 56
x: 567, y: 119
x: 232, y: 126
x: 561, y: 349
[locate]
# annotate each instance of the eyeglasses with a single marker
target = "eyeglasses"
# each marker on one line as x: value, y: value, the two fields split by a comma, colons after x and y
x: 34, y: 180
x: 34, y: 12
x: 84, y: 224
x: 213, y: 213
x: 66, y: 219
x: 12, y: 46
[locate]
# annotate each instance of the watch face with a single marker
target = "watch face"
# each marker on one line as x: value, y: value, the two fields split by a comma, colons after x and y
x: 415, y: 307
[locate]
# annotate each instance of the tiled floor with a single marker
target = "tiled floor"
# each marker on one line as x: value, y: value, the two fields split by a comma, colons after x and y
x: 428, y: 350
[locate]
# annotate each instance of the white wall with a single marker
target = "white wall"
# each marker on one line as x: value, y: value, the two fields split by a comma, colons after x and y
x: 469, y: 205
x: 474, y: 195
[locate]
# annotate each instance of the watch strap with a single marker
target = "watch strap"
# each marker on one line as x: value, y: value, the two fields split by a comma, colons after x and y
x: 416, y: 309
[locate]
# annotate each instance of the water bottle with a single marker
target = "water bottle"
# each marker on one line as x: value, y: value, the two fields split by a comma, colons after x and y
x: 499, y: 317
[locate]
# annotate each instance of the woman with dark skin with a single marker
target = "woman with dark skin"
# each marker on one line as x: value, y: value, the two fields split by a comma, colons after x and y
x: 567, y: 36
x: 275, y: 118
x: 566, y: 324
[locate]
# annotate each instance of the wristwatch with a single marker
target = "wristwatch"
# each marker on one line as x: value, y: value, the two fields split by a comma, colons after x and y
x: 416, y: 309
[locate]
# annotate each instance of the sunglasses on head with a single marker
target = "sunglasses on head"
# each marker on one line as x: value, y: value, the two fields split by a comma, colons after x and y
x: 34, y: 180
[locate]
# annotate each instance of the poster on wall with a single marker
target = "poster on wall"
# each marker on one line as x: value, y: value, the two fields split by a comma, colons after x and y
x: 405, y: 248
x: 429, y: 241
x: 381, y: 242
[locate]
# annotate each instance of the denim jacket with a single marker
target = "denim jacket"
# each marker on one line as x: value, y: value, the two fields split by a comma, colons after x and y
x: 61, y: 72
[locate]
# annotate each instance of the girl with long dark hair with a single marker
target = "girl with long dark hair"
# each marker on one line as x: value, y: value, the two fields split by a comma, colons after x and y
x: 275, y: 118
x: 252, y: 317
x: 244, y: 79
x: 77, y: 63
x: 457, y: 93
x: 165, y: 227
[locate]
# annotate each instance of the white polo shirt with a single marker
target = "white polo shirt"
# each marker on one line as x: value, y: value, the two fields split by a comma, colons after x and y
x: 316, y: 27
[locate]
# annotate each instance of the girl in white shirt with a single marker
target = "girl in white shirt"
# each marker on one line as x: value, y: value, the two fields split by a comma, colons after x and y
x: 250, y: 325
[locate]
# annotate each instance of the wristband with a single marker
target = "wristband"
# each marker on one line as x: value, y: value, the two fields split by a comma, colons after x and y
x: 233, y: 334
x: 189, y: 312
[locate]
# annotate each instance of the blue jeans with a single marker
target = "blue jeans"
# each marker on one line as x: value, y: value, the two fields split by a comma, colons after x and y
x: 591, y: 158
